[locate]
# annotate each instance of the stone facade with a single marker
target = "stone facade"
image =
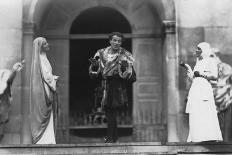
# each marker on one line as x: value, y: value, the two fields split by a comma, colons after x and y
x: 163, y: 32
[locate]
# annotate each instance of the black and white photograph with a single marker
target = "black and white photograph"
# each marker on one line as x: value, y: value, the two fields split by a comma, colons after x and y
x: 115, y: 77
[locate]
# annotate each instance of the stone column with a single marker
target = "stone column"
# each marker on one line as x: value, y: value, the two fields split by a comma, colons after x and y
x: 27, y: 48
x: 171, y: 80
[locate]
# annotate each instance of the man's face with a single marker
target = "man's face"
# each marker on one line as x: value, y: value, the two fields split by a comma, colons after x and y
x: 116, y: 42
x: 198, y: 52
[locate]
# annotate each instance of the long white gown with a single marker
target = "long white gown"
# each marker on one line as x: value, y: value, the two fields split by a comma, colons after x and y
x: 203, y: 119
x: 48, y: 136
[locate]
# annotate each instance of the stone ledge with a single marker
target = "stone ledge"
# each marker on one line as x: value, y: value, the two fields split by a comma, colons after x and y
x: 121, y: 148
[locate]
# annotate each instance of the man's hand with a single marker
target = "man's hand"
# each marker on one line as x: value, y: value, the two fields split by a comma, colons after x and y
x: 93, y: 61
x: 18, y: 66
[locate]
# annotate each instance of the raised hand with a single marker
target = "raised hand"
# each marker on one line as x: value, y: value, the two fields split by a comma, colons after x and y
x: 18, y: 66
x: 188, y: 69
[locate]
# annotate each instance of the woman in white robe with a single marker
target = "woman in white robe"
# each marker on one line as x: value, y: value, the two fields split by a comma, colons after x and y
x: 203, y: 119
x: 43, y: 95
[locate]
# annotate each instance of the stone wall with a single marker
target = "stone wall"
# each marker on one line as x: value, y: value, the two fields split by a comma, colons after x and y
x: 196, y: 21
x: 10, y: 51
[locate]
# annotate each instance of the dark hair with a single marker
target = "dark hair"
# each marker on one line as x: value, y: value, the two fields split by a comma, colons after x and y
x: 119, y: 34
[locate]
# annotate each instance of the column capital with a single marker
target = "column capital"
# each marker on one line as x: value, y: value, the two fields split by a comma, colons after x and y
x: 169, y: 26
x: 28, y: 28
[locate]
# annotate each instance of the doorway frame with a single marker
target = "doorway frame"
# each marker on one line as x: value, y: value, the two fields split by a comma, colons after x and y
x: 30, y: 31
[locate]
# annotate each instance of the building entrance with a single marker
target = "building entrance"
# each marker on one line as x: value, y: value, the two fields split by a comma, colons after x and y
x: 91, y: 28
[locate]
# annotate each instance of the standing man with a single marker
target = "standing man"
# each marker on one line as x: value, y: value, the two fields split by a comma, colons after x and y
x: 114, y: 65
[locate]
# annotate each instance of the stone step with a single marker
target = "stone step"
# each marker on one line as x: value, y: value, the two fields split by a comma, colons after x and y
x: 140, y: 148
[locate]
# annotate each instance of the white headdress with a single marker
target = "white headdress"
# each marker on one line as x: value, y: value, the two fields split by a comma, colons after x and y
x: 206, y: 49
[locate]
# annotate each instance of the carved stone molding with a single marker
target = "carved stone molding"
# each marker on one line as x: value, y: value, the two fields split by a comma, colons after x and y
x: 28, y: 28
x: 169, y: 26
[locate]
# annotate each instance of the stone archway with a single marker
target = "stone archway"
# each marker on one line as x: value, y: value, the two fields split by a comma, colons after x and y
x: 93, y: 26
x: 155, y: 55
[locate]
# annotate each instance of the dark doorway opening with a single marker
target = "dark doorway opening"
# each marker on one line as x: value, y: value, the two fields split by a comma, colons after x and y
x: 99, y: 20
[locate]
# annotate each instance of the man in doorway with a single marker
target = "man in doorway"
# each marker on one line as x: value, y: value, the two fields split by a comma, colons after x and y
x: 114, y: 65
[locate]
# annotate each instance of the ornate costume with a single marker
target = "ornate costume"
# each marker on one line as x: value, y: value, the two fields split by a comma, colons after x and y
x: 223, y: 97
x: 43, y: 97
x: 223, y: 88
x: 115, y: 69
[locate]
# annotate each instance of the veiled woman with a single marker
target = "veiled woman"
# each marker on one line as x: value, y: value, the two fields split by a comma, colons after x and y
x: 43, y: 95
x: 203, y: 120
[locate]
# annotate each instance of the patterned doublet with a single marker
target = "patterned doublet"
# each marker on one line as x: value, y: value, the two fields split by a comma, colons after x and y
x: 107, y: 55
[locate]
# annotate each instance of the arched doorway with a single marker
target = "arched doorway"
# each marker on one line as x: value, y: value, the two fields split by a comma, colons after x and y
x: 155, y: 58
x: 91, y: 29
